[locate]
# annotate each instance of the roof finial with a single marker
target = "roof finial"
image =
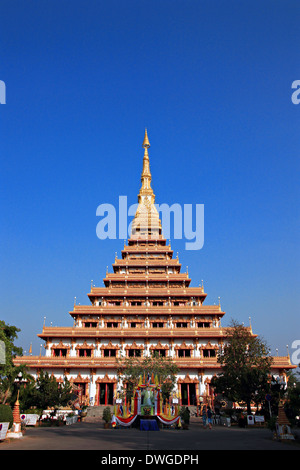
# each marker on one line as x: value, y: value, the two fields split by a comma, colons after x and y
x: 146, y: 221
x: 146, y: 143
x: 146, y: 173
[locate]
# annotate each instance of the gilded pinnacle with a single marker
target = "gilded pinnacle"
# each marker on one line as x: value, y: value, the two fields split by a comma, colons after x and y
x: 146, y: 143
x: 146, y: 217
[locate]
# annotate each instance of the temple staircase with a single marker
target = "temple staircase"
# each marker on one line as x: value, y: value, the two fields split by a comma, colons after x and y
x: 95, y: 413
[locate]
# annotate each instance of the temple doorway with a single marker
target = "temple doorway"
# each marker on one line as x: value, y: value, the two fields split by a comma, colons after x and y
x: 188, y: 394
x: 106, y: 393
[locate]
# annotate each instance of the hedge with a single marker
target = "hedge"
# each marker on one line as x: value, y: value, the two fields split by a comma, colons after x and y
x: 6, y: 415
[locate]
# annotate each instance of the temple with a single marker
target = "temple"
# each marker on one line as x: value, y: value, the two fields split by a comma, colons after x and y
x: 146, y: 305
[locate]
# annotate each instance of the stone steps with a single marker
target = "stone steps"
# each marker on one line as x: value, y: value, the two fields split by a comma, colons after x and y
x: 95, y: 413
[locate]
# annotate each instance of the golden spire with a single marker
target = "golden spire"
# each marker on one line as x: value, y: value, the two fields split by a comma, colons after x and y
x: 146, y: 219
x: 146, y: 174
x: 146, y: 178
x: 146, y: 143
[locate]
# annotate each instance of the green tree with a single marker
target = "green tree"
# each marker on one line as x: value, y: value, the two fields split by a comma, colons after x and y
x: 292, y: 404
x: 47, y: 393
x: 246, y: 364
x: 130, y: 370
x: 8, y: 371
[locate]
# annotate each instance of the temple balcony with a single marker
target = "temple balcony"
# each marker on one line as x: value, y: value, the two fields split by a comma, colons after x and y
x: 144, y: 310
x: 102, y: 362
x: 69, y: 362
x: 146, y: 261
x: 159, y: 245
x: 45, y: 362
x: 128, y: 332
x: 144, y: 292
x: 150, y: 276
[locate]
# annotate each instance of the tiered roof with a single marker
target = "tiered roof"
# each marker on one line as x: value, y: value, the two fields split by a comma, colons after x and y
x: 146, y: 283
x: 147, y: 268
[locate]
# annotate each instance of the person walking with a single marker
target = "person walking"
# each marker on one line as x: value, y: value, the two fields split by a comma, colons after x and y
x: 204, y: 417
x: 209, y: 417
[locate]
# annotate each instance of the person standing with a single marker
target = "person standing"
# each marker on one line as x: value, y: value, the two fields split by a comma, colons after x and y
x: 188, y: 413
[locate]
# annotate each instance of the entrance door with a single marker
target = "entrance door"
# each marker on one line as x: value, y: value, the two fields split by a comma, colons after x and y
x: 192, y: 394
x: 106, y: 394
x: 184, y: 394
x: 188, y: 394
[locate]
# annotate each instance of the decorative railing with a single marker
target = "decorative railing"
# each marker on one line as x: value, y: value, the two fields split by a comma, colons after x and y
x: 146, y: 310
x: 132, y: 332
x: 165, y: 291
x: 102, y: 362
x: 106, y: 362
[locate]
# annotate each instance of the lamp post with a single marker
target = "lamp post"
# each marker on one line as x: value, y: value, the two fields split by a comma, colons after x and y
x: 18, y: 381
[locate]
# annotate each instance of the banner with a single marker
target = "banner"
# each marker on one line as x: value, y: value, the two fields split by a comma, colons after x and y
x: 168, y: 422
x: 123, y: 421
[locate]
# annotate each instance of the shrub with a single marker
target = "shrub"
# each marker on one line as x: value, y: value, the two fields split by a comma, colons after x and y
x: 185, y: 415
x: 6, y: 415
x: 107, y: 414
x: 271, y: 423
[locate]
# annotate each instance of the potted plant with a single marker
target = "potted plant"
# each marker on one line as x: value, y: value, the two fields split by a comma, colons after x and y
x: 83, y: 413
x: 107, y: 417
x: 185, y: 416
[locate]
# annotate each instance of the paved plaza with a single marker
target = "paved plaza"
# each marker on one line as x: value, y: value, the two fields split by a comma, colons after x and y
x: 93, y: 436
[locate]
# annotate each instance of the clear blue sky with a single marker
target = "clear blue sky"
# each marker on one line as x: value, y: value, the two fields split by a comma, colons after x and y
x: 211, y: 80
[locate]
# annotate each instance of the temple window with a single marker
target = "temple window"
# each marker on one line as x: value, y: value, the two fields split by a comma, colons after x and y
x: 181, y: 325
x: 134, y: 352
x: 184, y: 353
x: 203, y: 325
x: 209, y: 353
x: 109, y: 353
x: 157, y: 325
x: 90, y: 324
x: 112, y: 324
x: 59, y: 352
x: 161, y: 352
x: 84, y: 353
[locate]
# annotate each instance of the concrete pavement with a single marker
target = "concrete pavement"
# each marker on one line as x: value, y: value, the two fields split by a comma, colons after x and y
x: 93, y: 436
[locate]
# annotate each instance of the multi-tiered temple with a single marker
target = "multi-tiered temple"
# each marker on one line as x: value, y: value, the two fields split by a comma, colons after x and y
x: 146, y: 305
